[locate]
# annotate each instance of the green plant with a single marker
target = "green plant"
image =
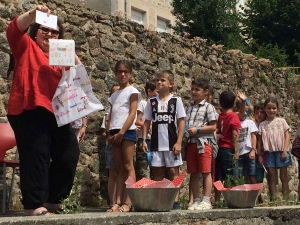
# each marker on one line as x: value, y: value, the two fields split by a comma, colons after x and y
x: 237, y: 178
x: 71, y: 204
x: 264, y: 78
x: 183, y: 202
x: 219, y: 204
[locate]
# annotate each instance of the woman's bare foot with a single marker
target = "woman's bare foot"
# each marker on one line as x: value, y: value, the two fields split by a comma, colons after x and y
x: 41, y: 211
x: 52, y: 207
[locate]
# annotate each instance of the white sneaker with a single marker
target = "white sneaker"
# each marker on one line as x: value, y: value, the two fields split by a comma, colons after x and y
x: 193, y: 206
x: 203, y: 206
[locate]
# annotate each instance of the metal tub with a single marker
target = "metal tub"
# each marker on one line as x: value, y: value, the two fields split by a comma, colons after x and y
x: 240, y: 198
x: 152, y: 199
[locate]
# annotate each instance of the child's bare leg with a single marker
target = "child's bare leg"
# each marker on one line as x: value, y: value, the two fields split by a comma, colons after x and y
x: 159, y: 173
x: 253, y: 179
x: 272, y: 182
x: 191, y: 196
x: 284, y: 181
x: 111, y: 186
x: 194, y: 186
x: 117, y: 154
x: 173, y: 172
x: 217, y: 195
x: 207, y: 184
x: 298, y: 190
x: 127, y: 153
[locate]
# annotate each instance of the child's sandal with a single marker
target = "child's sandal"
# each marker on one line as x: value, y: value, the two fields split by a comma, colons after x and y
x: 114, y: 208
x: 125, y: 208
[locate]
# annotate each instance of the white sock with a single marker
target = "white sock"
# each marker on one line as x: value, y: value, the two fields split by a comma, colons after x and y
x: 196, y: 199
x: 206, y: 199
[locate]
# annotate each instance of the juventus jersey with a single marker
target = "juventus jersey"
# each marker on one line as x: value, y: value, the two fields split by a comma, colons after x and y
x: 164, y: 117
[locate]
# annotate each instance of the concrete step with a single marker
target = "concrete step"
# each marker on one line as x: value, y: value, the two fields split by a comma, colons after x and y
x: 258, y: 215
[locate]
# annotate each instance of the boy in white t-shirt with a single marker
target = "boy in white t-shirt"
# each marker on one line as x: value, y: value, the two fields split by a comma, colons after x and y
x: 166, y: 112
x: 141, y: 161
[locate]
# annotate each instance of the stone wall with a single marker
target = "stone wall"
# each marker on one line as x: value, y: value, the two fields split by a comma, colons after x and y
x: 105, y: 39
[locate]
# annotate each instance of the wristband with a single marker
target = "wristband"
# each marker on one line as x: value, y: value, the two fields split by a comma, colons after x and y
x: 84, y: 126
x: 198, y: 130
x: 144, y: 140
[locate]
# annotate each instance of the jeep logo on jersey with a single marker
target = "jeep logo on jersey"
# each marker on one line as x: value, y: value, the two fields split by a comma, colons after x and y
x: 163, y: 118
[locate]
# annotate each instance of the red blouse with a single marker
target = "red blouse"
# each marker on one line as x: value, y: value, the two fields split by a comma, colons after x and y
x: 34, y: 81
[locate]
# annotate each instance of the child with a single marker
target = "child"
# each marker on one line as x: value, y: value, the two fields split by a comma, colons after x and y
x: 201, y: 120
x: 122, y: 133
x: 275, y: 137
x: 247, y: 144
x: 141, y: 162
x: 259, y: 116
x: 109, y: 160
x: 228, y: 126
x: 167, y: 114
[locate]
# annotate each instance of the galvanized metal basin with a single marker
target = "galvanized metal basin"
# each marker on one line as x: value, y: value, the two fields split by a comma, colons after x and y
x: 240, y: 198
x: 152, y: 199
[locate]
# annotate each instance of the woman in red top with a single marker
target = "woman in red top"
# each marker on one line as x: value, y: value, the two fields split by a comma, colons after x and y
x: 43, y: 183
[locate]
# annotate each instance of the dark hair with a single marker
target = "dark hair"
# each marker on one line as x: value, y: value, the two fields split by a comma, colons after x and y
x: 271, y: 99
x: 259, y: 106
x: 211, y: 90
x: 202, y: 83
x: 227, y: 99
x: 238, y: 103
x: 126, y: 63
x: 168, y: 73
x: 111, y: 89
x: 150, y: 85
x: 35, y: 26
x: 77, y: 47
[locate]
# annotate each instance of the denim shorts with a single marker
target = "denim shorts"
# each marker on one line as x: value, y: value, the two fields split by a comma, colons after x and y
x: 273, y: 159
x: 247, y: 165
x: 224, y: 163
x: 129, y: 135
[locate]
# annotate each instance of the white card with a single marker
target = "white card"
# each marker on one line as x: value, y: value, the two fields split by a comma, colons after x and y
x: 45, y: 20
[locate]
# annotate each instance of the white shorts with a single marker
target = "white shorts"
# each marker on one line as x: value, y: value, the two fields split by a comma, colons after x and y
x: 165, y: 158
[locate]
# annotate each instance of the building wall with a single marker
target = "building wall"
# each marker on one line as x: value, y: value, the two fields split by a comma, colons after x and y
x: 99, y: 5
x: 152, y: 10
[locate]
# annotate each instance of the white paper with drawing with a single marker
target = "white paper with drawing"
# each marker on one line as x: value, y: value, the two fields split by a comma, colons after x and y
x: 74, y: 97
x: 61, y: 52
x: 45, y: 20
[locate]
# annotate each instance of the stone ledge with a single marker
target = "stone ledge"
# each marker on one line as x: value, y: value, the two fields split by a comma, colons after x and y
x: 265, y: 215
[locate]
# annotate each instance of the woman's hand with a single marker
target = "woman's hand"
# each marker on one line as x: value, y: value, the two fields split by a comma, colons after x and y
x: 43, y: 8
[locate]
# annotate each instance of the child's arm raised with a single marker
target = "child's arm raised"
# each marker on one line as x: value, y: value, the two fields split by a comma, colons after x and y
x: 242, y: 111
x: 286, y: 145
x: 235, y: 141
x: 132, y: 113
x: 177, y: 146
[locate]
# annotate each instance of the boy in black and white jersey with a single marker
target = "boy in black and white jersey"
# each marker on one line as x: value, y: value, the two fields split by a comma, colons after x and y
x: 166, y: 112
